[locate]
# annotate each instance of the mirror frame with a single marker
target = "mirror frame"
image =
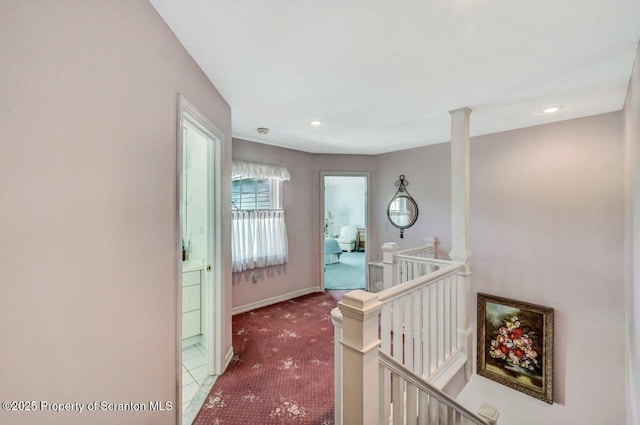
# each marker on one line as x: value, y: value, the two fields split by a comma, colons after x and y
x: 402, y: 192
x: 415, y: 205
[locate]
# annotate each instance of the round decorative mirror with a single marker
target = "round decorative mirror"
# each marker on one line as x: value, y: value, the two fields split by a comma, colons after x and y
x: 402, y: 210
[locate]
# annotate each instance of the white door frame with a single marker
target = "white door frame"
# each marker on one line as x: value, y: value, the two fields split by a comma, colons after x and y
x: 367, y: 250
x: 212, y: 300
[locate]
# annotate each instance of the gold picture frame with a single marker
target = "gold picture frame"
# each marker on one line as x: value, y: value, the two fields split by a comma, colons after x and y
x: 515, y: 345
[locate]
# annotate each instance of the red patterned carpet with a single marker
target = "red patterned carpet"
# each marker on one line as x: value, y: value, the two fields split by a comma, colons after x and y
x: 282, y: 371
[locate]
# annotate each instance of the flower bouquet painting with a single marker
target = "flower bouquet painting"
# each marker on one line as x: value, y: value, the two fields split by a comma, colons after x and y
x: 515, y: 345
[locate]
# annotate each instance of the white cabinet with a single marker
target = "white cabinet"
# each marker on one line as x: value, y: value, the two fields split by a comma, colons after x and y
x: 191, y: 278
x: 190, y: 298
x: 190, y: 324
x: 191, y: 305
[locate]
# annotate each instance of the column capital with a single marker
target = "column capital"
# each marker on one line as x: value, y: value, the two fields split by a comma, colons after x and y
x: 459, y: 110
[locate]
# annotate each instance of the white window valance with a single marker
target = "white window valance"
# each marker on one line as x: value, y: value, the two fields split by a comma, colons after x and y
x: 258, y: 170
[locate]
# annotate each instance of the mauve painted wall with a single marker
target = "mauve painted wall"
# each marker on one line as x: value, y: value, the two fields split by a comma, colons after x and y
x: 428, y: 170
x: 88, y: 257
x: 546, y: 227
x: 632, y: 245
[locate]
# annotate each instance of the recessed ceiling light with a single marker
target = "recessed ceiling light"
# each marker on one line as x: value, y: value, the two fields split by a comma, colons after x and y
x: 262, y: 130
x: 315, y: 123
x: 552, y: 109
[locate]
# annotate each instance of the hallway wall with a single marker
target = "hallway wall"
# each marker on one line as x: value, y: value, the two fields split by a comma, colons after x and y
x: 632, y: 242
x: 546, y: 227
x: 88, y: 260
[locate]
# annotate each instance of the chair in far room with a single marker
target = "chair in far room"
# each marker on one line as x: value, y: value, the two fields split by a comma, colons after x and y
x: 348, y: 238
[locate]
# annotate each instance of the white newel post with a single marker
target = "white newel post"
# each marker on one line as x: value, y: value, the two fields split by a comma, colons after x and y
x: 336, y: 318
x: 432, y: 243
x: 389, y: 265
x: 460, y: 224
x: 360, y: 344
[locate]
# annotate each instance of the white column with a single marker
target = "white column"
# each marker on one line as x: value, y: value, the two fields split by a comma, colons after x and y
x: 460, y: 225
x: 389, y: 265
x: 460, y: 185
x: 360, y: 343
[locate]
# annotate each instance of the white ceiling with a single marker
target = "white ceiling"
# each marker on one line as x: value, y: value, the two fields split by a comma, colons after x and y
x: 382, y: 74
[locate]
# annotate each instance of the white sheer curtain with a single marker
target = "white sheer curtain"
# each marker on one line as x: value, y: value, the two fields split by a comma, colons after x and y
x: 258, y: 239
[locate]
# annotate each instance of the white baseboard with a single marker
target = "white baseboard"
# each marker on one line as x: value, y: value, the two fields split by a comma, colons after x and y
x: 274, y: 300
x: 227, y: 359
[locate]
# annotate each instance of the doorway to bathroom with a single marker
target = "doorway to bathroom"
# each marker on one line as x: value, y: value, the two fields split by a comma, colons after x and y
x: 345, y: 208
x: 199, y: 297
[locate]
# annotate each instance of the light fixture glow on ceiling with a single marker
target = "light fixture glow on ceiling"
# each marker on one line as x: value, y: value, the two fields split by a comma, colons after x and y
x: 552, y: 109
x: 315, y: 123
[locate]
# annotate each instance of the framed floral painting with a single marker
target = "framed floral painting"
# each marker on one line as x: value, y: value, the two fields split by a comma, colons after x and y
x: 515, y: 345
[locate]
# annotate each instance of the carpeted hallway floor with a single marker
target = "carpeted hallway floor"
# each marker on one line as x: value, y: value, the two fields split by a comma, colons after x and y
x: 282, y: 370
x: 348, y: 273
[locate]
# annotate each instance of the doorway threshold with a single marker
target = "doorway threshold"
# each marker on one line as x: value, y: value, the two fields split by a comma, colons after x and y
x: 189, y: 414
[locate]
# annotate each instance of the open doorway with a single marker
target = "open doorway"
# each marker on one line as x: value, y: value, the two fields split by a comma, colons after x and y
x: 199, y: 260
x: 345, y: 211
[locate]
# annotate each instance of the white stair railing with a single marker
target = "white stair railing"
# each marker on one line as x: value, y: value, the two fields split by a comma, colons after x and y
x: 419, y: 320
x: 408, y: 266
x: 415, y: 401
x: 421, y: 324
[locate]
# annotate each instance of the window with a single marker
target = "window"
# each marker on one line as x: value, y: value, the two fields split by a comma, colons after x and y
x: 258, y: 233
x: 255, y: 194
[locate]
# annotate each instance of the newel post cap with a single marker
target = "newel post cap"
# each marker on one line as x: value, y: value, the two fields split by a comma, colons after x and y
x: 360, y: 303
x: 390, y: 247
x: 389, y: 252
x: 430, y: 240
x: 489, y: 412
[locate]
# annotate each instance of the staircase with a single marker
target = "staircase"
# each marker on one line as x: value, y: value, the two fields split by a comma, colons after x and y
x: 398, y: 348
